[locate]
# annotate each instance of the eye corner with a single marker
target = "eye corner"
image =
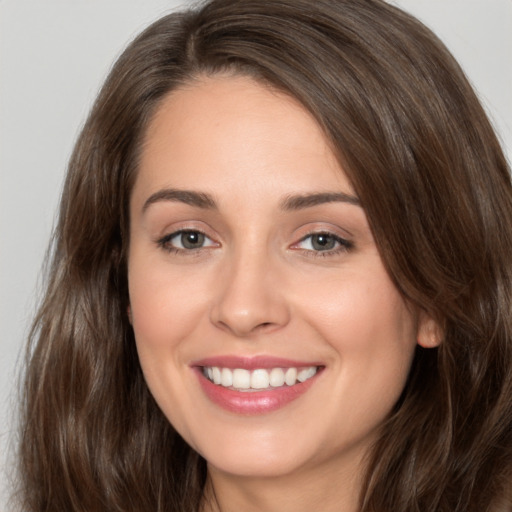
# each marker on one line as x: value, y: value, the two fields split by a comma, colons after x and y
x: 322, y: 243
x: 186, y: 241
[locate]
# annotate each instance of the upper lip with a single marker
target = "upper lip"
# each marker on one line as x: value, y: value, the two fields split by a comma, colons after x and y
x: 252, y: 362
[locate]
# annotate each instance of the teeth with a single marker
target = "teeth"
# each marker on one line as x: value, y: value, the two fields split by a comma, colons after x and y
x: 217, y: 378
x: 276, y: 377
x: 239, y: 378
x: 260, y: 379
x: 306, y: 373
x: 290, y: 377
x: 226, y: 377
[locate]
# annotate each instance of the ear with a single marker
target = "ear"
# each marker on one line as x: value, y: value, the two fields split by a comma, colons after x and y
x: 430, y: 332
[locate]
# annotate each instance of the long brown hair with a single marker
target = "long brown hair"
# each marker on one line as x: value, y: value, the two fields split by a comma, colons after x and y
x: 422, y: 156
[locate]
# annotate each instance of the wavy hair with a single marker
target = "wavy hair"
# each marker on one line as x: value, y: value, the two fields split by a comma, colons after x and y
x: 422, y: 156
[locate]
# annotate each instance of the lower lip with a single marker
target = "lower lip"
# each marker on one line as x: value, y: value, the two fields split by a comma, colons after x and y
x: 253, y: 402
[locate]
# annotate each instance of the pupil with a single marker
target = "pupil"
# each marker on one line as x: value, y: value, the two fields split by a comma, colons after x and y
x: 192, y: 239
x: 323, y: 242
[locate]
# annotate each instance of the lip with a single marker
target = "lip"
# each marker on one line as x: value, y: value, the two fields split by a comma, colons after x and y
x: 253, y: 363
x: 253, y: 402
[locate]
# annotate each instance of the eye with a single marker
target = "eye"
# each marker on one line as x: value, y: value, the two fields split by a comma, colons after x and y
x: 323, y: 242
x: 186, y: 240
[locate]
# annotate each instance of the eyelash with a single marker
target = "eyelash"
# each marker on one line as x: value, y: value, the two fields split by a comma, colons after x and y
x: 165, y: 242
x: 343, y: 245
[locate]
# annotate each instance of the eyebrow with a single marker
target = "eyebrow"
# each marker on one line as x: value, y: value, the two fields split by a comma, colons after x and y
x: 205, y: 201
x: 197, y: 199
x: 299, y: 202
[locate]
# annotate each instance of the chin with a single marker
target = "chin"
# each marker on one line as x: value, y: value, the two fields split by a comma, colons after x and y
x: 249, y: 454
x: 262, y: 466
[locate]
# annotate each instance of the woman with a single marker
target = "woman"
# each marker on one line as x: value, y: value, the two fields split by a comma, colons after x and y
x: 281, y: 276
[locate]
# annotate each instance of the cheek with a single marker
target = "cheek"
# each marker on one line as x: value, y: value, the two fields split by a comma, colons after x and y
x: 371, y: 331
x: 164, y: 306
x: 164, y: 312
x: 362, y: 309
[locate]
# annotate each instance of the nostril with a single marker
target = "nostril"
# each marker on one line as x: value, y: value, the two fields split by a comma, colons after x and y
x: 264, y: 326
x: 245, y: 310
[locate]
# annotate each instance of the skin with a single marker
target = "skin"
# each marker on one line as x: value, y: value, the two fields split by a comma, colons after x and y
x: 258, y: 286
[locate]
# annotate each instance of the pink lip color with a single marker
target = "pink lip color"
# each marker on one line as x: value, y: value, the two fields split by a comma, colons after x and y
x: 253, y: 363
x: 252, y: 402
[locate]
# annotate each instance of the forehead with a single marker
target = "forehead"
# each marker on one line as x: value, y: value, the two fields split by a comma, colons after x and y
x: 239, y: 133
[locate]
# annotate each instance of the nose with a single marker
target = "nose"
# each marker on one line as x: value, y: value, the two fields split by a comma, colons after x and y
x: 251, y: 297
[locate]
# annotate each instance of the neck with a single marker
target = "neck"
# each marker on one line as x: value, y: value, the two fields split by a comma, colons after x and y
x: 329, y: 488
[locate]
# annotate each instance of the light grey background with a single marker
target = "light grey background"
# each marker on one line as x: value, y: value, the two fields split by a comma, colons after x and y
x: 54, y: 54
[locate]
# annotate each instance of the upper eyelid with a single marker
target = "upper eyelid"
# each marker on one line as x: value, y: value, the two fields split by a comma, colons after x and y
x: 179, y: 227
x: 176, y: 232
x: 337, y: 237
x: 165, y: 243
x: 344, y: 238
x: 328, y: 226
x: 344, y: 243
x: 321, y: 229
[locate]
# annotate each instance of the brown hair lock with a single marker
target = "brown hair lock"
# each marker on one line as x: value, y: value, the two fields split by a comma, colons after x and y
x: 423, y: 158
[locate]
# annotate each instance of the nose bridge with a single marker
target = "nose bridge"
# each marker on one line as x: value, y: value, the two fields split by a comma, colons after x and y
x: 249, y: 298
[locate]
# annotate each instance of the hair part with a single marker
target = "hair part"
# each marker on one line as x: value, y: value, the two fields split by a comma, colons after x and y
x: 420, y: 153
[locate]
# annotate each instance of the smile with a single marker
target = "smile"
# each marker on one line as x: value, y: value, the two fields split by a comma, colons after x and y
x: 241, y: 379
x: 255, y: 385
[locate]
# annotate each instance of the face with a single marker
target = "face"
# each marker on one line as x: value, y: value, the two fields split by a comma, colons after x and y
x: 267, y: 328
